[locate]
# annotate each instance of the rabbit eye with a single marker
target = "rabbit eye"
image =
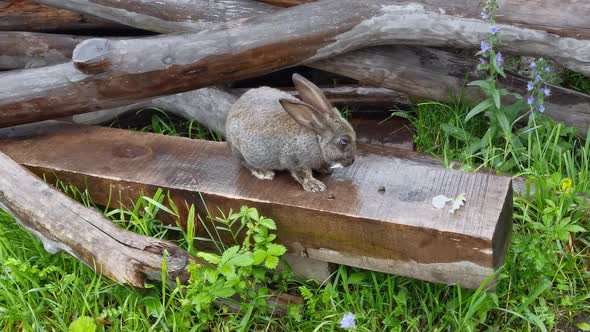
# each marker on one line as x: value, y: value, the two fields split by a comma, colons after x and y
x: 343, y: 142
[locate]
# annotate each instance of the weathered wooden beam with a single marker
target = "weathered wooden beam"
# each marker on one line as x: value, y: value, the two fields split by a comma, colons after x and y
x: 565, y: 18
x: 21, y: 15
x: 149, y: 69
x: 62, y: 224
x: 376, y: 214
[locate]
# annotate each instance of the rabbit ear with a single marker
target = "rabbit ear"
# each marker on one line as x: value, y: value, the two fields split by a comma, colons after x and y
x: 311, y: 94
x: 306, y: 115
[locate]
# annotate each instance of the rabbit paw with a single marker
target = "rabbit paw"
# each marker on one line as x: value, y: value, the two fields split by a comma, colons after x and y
x: 263, y: 175
x: 313, y: 185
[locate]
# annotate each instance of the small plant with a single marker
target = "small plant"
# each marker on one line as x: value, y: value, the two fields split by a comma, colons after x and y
x: 239, y: 270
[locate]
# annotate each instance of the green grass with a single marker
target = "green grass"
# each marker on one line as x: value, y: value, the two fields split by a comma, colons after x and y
x: 543, y: 285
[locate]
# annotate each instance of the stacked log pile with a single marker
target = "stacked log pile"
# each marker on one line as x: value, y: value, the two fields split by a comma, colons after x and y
x: 89, y: 61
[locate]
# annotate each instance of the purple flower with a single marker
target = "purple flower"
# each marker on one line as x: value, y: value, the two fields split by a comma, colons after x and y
x: 533, y: 64
x: 546, y: 91
x: 347, y: 321
x: 494, y: 30
x: 485, y: 46
x: 485, y: 16
x: 530, y: 86
x: 531, y: 100
x: 540, y: 108
x: 547, y: 69
x: 483, y: 61
x: 538, y: 77
x: 499, y: 59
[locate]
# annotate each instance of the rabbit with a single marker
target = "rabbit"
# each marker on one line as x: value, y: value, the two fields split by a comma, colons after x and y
x: 269, y: 130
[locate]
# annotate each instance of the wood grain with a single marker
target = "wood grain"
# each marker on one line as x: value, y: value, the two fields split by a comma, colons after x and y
x: 395, y: 231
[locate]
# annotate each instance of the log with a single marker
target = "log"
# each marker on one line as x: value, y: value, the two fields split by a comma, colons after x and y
x: 209, y: 106
x: 20, y: 15
x: 569, y: 21
x: 175, y: 63
x: 62, y: 224
x: 440, y: 75
x: 394, y: 230
x: 20, y: 50
x: 165, y: 17
x: 416, y: 71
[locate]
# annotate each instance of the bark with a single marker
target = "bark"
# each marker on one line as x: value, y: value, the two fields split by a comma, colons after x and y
x: 175, y: 63
x: 562, y: 17
x: 569, y: 21
x: 20, y: 15
x: 20, y: 50
x: 165, y: 17
x: 440, y: 75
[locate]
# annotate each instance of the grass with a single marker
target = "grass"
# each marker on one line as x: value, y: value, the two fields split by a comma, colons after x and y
x: 543, y: 285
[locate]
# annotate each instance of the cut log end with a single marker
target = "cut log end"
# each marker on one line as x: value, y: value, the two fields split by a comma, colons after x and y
x: 92, y: 56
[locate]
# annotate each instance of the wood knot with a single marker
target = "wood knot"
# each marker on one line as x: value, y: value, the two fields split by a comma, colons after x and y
x: 130, y: 151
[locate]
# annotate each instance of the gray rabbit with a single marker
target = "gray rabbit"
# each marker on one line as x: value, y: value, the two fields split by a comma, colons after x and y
x: 269, y: 130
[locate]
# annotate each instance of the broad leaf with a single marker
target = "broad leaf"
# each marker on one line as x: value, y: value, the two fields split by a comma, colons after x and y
x: 484, y: 105
x: 275, y: 249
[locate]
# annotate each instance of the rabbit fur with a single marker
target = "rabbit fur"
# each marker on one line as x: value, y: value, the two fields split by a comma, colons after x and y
x: 269, y: 130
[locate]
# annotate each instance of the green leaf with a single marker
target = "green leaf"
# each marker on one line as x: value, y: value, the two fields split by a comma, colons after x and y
x: 496, y: 95
x: 575, y: 229
x: 210, y: 275
x: 271, y: 262
x: 504, y: 124
x: 259, y: 256
x: 244, y: 259
x: 253, y: 214
x: 226, y: 269
x: 485, y: 85
x: 210, y: 258
x: 456, y: 132
x: 484, y: 105
x: 229, y: 253
x: 223, y: 292
x: 160, y: 206
x: 583, y: 326
x: 83, y: 324
x: 259, y: 238
x: 275, y: 249
x: 358, y: 277
x: 268, y: 223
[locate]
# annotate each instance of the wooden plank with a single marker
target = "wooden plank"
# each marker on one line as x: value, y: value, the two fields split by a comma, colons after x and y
x: 394, y: 230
